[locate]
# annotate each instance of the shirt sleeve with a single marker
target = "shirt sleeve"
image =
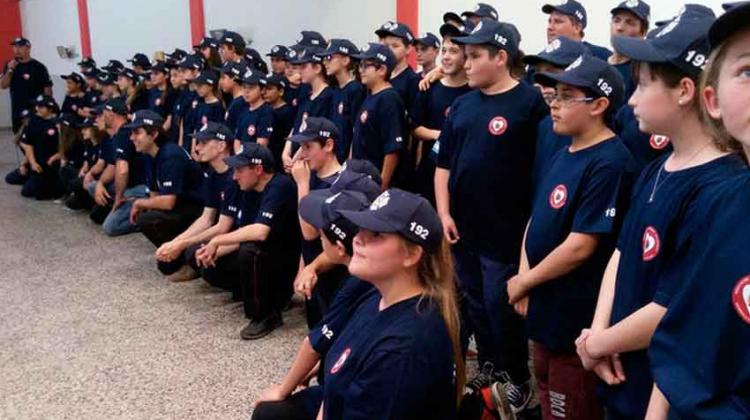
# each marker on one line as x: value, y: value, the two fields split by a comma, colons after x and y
x: 172, y: 176
x: 46, y: 80
x: 265, y: 125
x: 392, y: 124
x: 597, y: 207
x: 335, y: 319
x: 445, y: 142
x: 217, y: 113
x: 230, y: 203
x: 275, y: 202
x: 124, y: 148
x: 418, y: 110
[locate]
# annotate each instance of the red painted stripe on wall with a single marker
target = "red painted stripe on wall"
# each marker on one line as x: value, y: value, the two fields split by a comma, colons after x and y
x: 197, y: 21
x: 10, y: 27
x: 407, y: 11
x: 83, y: 24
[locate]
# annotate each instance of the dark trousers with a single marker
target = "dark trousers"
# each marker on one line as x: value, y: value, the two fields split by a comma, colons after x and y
x: 187, y: 257
x: 303, y: 405
x: 14, y: 177
x: 161, y: 226
x: 43, y: 186
x: 68, y: 174
x: 498, y: 329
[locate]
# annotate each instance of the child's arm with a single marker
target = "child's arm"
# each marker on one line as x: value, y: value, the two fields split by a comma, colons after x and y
x: 389, y: 167
x: 28, y: 150
x: 631, y: 334
x: 658, y: 406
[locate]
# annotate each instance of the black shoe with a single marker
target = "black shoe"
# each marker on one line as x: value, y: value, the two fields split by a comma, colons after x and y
x: 74, y: 202
x: 259, y: 329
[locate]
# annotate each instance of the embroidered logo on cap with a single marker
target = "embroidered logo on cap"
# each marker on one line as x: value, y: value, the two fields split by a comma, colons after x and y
x: 632, y: 3
x: 741, y: 298
x: 381, y: 201
x: 497, y: 126
x: 575, y: 64
x: 558, y: 197
x: 340, y: 362
x: 553, y: 46
x: 477, y: 28
x: 658, y: 142
x: 651, y: 243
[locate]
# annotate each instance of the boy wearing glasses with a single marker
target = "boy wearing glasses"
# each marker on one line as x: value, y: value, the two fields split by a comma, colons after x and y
x: 380, y: 126
x: 571, y: 232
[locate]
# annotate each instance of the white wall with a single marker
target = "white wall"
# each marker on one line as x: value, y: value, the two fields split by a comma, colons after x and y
x: 531, y: 22
x: 267, y: 23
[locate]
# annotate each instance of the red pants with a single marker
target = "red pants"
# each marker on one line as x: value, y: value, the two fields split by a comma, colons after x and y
x: 566, y: 390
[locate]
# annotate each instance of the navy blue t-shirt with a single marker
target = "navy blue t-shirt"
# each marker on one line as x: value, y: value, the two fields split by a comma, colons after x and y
x: 91, y: 153
x: 91, y: 98
x: 283, y: 121
x: 107, y: 153
x: 644, y: 147
x: 406, y: 84
x: 161, y: 102
x: 597, y: 51
x: 180, y: 109
x: 487, y: 143
x: 27, y: 82
x: 71, y: 105
x: 173, y: 172
x: 646, y: 243
x: 311, y: 249
x: 140, y: 101
x: 547, y: 145
x: 699, y: 352
x: 75, y: 154
x: 291, y: 93
x: 431, y: 107
x: 626, y: 71
x: 581, y: 192
x: 42, y: 135
x: 255, y: 123
x: 236, y: 109
x: 380, y: 127
x: 277, y: 209
x: 215, y: 187
x: 125, y: 150
x: 320, y: 106
x: 200, y: 113
x: 395, y: 363
x: 347, y: 102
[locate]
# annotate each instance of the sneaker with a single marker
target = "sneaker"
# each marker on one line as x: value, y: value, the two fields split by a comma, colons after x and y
x: 185, y: 273
x: 501, y: 402
x: 259, y: 329
x: 517, y: 396
x: 484, y: 379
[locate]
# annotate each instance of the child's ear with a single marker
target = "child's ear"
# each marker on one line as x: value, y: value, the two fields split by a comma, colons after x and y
x: 340, y: 249
x: 600, y: 106
x: 711, y: 102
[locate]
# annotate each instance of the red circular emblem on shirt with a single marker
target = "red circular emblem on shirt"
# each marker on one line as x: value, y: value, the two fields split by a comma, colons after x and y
x: 340, y: 362
x: 204, y: 120
x: 294, y: 102
x: 51, y: 132
x: 26, y: 76
x: 651, y: 243
x: 341, y: 108
x: 74, y: 106
x: 195, y: 103
x: 447, y: 110
x: 558, y: 197
x: 741, y: 298
x: 158, y: 101
x: 250, y: 130
x: 497, y: 126
x: 658, y: 142
x: 363, y: 116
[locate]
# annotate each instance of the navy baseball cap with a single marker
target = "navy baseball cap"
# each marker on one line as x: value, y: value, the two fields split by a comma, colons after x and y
x: 106, y: 78
x: 46, y: 101
x: 130, y: 74
x: 452, y: 17
x: 276, y: 80
x: 571, y: 8
x: 363, y: 166
x: 114, y: 66
x: 592, y: 74
x: 77, y: 78
x: 349, y: 180
x: 159, y: 66
x: 97, y: 110
x: 192, y: 62
x: 208, y: 42
x: 316, y: 128
x: 20, y: 42
x: 398, y: 211
x: 561, y: 52
x: 278, y: 51
x: 87, y: 62
x: 428, y: 40
x: 736, y: 17
x: 235, y: 70
x: 451, y: 30
x: 379, y: 53
x: 252, y: 77
x: 140, y: 60
x: 482, y: 10
x: 214, y: 131
x: 92, y: 73
x: 490, y: 32
x: 232, y: 38
x: 321, y: 208
x: 147, y: 119
x: 253, y: 58
x: 176, y: 55
x: 308, y: 55
x: 311, y: 39
x: 340, y: 46
x: 116, y: 105
x: 637, y: 7
x: 678, y: 43
x: 207, y: 77
x: 396, y: 29
x: 251, y: 154
x: 88, y: 122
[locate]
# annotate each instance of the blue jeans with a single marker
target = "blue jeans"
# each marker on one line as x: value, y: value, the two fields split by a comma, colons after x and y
x: 118, y: 221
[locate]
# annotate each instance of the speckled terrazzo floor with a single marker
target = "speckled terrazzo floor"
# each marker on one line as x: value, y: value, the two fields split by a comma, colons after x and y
x: 89, y: 329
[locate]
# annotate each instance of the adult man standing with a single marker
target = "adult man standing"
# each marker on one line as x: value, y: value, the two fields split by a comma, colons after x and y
x: 27, y: 78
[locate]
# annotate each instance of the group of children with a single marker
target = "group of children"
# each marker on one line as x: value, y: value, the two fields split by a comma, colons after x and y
x: 580, y: 213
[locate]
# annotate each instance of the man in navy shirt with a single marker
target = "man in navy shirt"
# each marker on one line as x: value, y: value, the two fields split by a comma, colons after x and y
x: 486, y: 156
x: 629, y: 18
x: 380, y: 128
x: 569, y: 19
x: 173, y: 178
x: 176, y: 258
x: 27, y: 78
x: 261, y: 256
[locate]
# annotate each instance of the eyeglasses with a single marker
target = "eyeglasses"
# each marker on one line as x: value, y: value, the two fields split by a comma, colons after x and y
x: 567, y: 100
x: 365, y: 64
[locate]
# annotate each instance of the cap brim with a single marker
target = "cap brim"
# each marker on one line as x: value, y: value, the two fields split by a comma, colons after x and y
x: 367, y: 220
x: 133, y: 125
x: 301, y: 138
x: 450, y: 30
x: 469, y: 40
x: 625, y: 9
x: 236, y: 161
x: 549, y: 8
x: 727, y: 24
x: 637, y: 49
x: 311, y: 207
x: 533, y: 60
x: 551, y: 79
x: 451, y: 16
